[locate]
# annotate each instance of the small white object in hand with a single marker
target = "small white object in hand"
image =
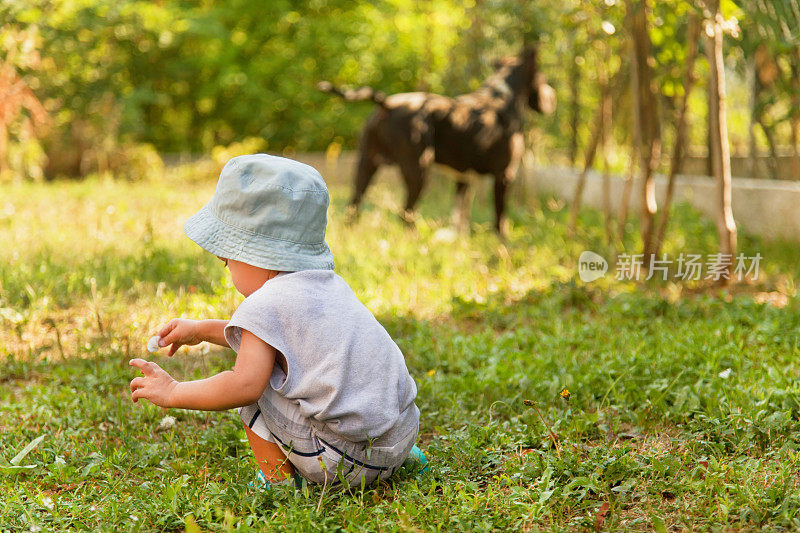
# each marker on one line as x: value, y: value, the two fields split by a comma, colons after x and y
x: 152, y: 344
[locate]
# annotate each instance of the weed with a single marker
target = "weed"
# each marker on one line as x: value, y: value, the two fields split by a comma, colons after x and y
x: 658, y: 406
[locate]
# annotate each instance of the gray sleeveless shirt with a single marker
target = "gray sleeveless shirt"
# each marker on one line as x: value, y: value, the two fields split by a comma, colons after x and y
x: 343, y: 369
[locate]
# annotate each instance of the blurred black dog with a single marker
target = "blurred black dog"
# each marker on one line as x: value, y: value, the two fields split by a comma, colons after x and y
x: 478, y: 132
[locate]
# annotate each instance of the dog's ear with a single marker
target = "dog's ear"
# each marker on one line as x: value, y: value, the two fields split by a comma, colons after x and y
x: 542, y: 97
x: 504, y: 62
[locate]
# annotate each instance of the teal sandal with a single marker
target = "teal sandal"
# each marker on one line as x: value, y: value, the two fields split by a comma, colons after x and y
x: 261, y: 483
x: 416, y: 456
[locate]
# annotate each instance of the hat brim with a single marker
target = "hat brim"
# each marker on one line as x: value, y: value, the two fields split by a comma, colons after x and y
x: 231, y: 242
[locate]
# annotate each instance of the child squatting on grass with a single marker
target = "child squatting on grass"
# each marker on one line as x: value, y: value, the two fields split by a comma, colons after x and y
x: 322, y: 389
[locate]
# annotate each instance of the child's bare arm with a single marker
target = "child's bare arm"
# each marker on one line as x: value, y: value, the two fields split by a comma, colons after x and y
x: 183, y: 331
x: 233, y: 388
x: 214, y: 331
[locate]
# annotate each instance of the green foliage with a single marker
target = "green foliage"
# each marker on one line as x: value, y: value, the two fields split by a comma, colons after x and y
x: 775, y: 28
x: 22, y: 116
x: 186, y: 77
x: 684, y: 409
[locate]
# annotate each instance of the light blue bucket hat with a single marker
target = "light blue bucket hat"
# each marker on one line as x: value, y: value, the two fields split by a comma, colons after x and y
x: 267, y: 211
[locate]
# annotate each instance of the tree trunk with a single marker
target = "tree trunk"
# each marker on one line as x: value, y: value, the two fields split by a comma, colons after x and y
x: 719, y: 148
x: 575, y: 107
x: 645, y: 101
x: 476, y: 43
x: 709, y: 162
x: 795, y: 128
x: 591, y: 150
x: 601, y: 123
x: 678, y: 151
x: 606, y: 107
x: 772, y: 160
x: 625, y: 201
x: 752, y: 100
x: 636, y: 141
x: 423, y: 81
x: 767, y: 72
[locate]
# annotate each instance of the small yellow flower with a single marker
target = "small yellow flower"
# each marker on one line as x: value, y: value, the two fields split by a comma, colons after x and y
x: 565, y: 394
x: 432, y: 371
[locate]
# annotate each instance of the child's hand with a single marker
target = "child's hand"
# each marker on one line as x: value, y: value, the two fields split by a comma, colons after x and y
x: 179, y: 332
x: 156, y: 385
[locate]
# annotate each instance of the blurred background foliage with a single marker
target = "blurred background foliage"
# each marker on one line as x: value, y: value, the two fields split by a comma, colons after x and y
x: 89, y: 85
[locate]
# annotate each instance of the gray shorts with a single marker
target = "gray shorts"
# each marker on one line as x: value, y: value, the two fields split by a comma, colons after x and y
x: 319, y: 455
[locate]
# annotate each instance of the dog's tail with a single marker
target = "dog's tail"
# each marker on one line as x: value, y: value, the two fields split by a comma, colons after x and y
x: 354, y: 95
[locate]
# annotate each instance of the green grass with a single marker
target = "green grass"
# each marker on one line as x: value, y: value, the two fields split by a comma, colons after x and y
x: 684, y: 408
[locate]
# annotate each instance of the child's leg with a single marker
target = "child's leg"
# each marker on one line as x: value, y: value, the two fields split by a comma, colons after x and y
x: 270, y: 458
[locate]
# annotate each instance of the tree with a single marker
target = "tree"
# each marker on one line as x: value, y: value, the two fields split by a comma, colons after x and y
x: 600, y: 31
x: 770, y: 40
x: 647, y: 113
x: 21, y: 112
x: 719, y: 148
x: 679, y: 149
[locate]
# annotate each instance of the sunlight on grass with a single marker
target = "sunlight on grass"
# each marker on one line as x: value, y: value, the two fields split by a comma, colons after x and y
x: 684, y: 407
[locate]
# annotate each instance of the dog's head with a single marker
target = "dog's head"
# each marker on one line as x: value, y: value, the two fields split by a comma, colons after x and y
x: 521, y: 75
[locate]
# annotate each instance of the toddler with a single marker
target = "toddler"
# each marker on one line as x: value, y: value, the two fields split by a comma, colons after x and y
x: 322, y: 389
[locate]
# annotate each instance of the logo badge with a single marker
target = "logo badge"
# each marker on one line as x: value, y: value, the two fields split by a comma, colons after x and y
x: 591, y: 266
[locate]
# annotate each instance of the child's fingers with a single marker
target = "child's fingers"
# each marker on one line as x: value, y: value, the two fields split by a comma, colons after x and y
x: 174, y: 348
x: 146, y: 367
x: 164, y: 332
x: 137, y: 383
x: 174, y: 336
x: 138, y: 393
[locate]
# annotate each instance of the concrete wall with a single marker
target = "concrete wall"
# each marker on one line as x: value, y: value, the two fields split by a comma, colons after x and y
x: 335, y: 169
x: 770, y: 209
x: 766, y: 167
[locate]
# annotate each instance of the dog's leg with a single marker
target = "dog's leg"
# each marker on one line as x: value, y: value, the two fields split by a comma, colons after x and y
x: 414, y: 176
x: 503, y: 179
x: 500, y: 189
x: 364, y: 173
x: 462, y: 206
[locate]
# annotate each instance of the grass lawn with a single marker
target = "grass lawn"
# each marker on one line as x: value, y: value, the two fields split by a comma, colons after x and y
x: 684, y: 403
